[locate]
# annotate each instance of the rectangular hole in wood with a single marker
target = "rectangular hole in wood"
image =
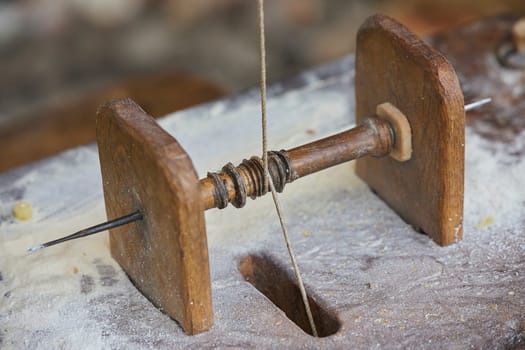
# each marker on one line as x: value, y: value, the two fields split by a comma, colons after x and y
x: 280, y: 287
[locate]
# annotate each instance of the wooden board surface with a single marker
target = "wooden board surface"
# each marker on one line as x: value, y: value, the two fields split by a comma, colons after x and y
x: 382, y: 284
x: 393, y: 65
x: 166, y: 253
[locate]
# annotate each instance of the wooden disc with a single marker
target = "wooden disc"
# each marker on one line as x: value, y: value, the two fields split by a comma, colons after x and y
x: 393, y: 65
x: 165, y: 254
x: 402, y: 149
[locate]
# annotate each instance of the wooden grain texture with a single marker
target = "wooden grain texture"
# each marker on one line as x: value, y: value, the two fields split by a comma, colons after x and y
x: 393, y: 65
x: 165, y: 254
x: 373, y: 138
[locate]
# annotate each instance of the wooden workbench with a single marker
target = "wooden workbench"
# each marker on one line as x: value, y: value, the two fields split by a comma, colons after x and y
x: 377, y: 282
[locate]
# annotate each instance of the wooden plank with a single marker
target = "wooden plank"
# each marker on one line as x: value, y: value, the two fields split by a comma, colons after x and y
x: 166, y: 253
x: 393, y: 65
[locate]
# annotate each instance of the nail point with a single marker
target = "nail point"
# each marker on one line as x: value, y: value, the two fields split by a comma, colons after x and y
x: 35, y: 248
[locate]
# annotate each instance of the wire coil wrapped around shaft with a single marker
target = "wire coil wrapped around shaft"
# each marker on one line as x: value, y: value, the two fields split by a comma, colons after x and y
x: 248, y: 178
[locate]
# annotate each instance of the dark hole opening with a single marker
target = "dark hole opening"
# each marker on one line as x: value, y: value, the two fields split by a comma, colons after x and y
x: 276, y: 284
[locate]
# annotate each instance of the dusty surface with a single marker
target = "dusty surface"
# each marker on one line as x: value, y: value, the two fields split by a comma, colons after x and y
x: 389, y: 286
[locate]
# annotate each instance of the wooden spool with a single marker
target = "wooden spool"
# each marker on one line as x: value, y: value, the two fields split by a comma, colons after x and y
x: 383, y: 285
x: 398, y: 78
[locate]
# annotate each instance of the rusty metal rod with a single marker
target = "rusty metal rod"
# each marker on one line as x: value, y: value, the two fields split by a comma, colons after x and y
x: 123, y: 220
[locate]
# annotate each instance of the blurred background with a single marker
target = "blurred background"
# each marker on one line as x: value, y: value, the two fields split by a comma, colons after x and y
x: 60, y: 59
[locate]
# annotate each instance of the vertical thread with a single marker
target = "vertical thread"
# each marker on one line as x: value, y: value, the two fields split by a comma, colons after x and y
x: 268, y: 180
x: 262, y: 42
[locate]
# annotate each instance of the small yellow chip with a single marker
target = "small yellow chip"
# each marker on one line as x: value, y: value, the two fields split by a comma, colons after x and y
x: 485, y: 222
x: 23, y: 211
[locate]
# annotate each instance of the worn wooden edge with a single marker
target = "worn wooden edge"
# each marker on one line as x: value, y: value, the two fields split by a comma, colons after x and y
x: 451, y: 102
x: 169, y: 157
x: 454, y: 144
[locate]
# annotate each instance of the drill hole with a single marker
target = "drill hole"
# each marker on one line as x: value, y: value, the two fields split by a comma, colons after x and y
x: 272, y: 280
